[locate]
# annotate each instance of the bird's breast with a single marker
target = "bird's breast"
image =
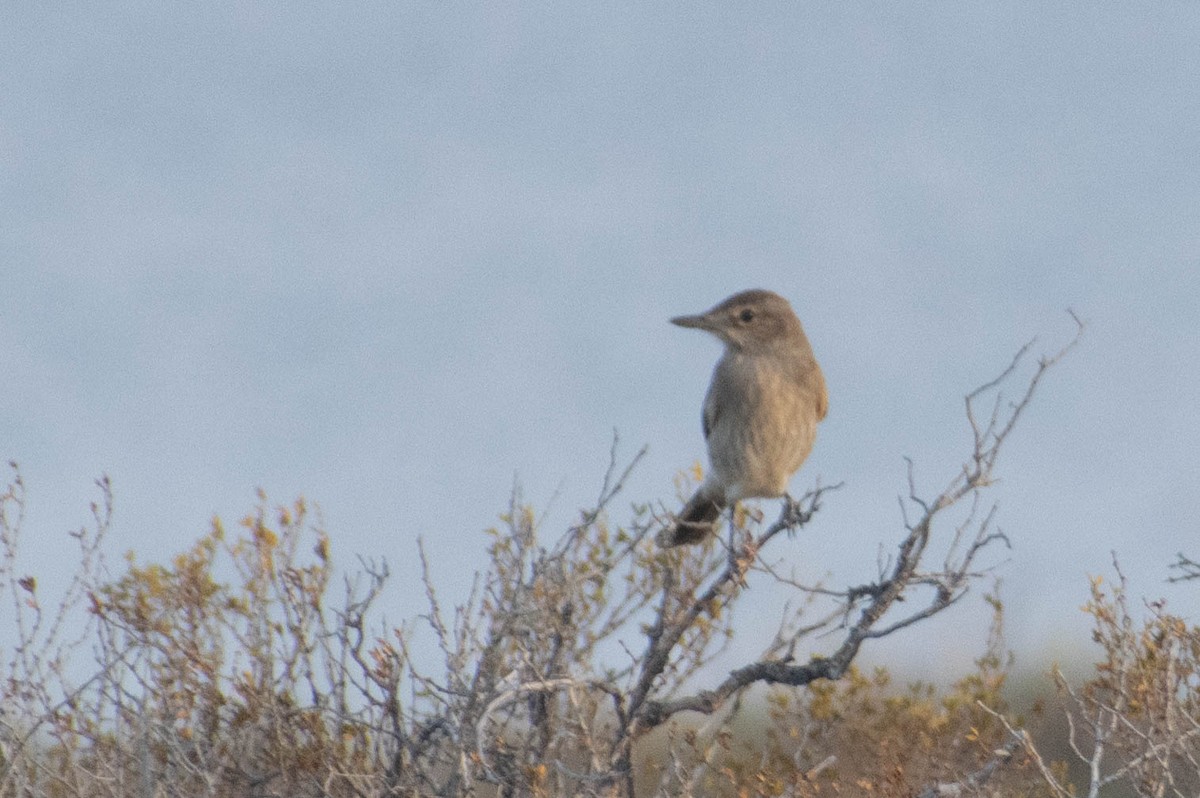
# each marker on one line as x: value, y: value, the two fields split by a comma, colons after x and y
x: 765, y: 425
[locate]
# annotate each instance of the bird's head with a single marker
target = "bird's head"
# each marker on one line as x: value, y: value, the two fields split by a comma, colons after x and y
x: 752, y: 321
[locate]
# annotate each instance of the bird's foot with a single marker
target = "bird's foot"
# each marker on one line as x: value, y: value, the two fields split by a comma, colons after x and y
x: 794, y: 514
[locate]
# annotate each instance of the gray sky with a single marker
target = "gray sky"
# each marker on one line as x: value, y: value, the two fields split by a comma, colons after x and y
x: 390, y: 255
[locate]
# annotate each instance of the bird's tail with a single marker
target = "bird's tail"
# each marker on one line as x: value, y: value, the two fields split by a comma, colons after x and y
x: 695, y: 522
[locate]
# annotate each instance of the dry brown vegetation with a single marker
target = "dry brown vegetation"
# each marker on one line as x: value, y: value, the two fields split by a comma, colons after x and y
x: 249, y: 666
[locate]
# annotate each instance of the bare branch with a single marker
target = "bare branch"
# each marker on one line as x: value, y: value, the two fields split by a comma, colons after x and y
x: 949, y: 585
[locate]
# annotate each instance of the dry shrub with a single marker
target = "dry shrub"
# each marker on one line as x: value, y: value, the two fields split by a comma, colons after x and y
x: 1134, y: 727
x: 234, y: 670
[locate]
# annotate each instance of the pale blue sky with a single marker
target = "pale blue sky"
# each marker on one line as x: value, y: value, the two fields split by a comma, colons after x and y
x: 388, y: 255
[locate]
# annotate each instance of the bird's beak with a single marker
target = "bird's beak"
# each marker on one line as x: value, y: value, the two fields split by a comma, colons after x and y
x: 701, y: 322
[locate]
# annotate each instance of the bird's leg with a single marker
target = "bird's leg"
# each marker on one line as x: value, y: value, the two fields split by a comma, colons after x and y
x: 740, y: 556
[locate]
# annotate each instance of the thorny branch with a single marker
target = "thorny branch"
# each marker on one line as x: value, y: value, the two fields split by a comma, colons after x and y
x: 1185, y: 568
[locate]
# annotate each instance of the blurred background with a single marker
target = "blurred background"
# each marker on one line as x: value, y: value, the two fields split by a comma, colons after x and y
x: 395, y: 257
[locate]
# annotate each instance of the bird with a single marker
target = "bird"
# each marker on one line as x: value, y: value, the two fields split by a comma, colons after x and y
x: 761, y: 411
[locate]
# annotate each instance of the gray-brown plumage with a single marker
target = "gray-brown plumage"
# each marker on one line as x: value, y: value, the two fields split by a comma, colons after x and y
x: 761, y: 411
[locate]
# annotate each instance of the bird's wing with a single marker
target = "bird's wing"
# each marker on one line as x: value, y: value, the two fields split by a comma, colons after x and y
x: 710, y: 414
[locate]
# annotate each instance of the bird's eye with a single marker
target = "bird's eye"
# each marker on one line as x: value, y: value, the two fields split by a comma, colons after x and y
x: 747, y: 315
